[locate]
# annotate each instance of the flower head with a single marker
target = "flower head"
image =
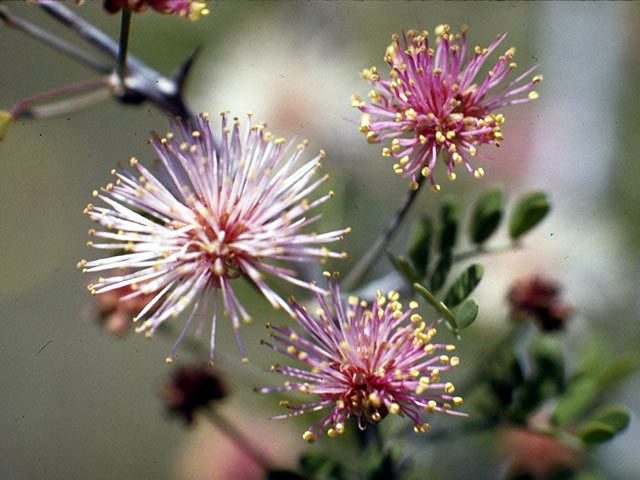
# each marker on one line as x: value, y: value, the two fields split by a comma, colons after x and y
x: 221, y: 213
x: 434, y: 103
x: 191, y: 9
x: 542, y: 299
x: 364, y: 361
x: 190, y: 388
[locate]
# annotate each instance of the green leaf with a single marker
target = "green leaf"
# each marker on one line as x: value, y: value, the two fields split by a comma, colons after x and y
x: 403, y: 267
x: 616, y: 417
x: 5, y: 122
x: 486, y: 215
x: 617, y: 370
x: 464, y: 285
x: 441, y: 271
x: 420, y: 250
x: 439, y: 306
x: 529, y: 211
x: 596, y: 432
x: 449, y: 219
x: 466, y: 313
x: 576, y: 400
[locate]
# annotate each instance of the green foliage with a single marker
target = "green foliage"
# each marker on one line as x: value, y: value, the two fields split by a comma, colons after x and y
x: 466, y: 313
x: 464, y: 285
x: 529, y: 211
x: 420, y: 250
x: 578, y: 398
x: 439, y: 306
x: 449, y: 218
x: 487, y: 215
x: 441, y: 270
x: 604, y: 424
x: 403, y: 267
x: 318, y: 466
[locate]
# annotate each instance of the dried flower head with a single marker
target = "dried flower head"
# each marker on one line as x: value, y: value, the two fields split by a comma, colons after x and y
x: 541, y: 299
x: 191, y: 388
x: 434, y: 104
x: 365, y: 362
x: 191, y: 9
x: 220, y: 214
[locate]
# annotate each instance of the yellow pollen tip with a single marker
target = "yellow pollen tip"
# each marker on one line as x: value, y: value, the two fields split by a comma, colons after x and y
x: 168, y: 360
x: 533, y: 95
x: 479, y: 173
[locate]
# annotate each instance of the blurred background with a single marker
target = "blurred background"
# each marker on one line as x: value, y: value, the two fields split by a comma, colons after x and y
x: 80, y: 402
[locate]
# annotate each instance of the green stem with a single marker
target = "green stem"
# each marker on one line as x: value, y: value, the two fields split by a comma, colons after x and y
x: 239, y: 439
x: 459, y: 257
x: 125, y: 27
x: 374, y: 252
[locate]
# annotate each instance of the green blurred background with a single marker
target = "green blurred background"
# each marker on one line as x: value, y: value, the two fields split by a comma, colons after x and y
x: 86, y: 405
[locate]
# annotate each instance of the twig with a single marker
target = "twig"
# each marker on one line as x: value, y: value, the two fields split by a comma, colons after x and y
x: 53, y: 41
x: 125, y: 27
x: 381, y: 242
x: 459, y: 257
x: 239, y: 439
x: 142, y: 82
x: 22, y: 108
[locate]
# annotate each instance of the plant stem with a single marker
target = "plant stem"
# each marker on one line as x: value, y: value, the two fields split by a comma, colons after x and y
x: 22, y: 108
x: 125, y: 27
x: 52, y: 41
x: 373, y: 254
x: 459, y: 257
x: 143, y: 82
x: 239, y: 439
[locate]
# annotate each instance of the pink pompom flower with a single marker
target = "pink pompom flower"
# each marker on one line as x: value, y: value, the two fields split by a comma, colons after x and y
x: 218, y: 214
x: 434, y: 102
x: 365, y: 362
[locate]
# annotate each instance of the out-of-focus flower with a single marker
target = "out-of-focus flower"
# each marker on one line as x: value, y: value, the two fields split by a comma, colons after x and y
x: 114, y: 313
x: 366, y: 362
x: 536, y: 456
x: 432, y: 103
x: 191, y: 388
x: 540, y: 298
x: 191, y: 9
x: 219, y: 215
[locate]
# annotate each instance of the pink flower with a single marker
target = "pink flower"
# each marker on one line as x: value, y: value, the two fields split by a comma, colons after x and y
x: 219, y: 215
x: 432, y: 102
x: 190, y: 9
x: 365, y: 362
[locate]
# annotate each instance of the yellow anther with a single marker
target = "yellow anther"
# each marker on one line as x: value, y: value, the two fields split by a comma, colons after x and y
x: 479, y: 173
x: 449, y: 388
x: 308, y: 436
x: 425, y: 172
x: 451, y: 135
x: 371, y: 137
x: 413, y: 305
x: 435, y: 188
x: 404, y: 160
x: 410, y: 114
x: 444, y: 359
x: 395, y: 145
x: 429, y: 349
x: 386, y: 152
x: 422, y: 139
x: 440, y: 138
x: 431, y: 406
x: 413, y: 186
x: 537, y: 79
x: 452, y: 176
x: 394, y: 408
x: 415, y: 318
x: 455, y: 361
x: 356, y: 101
x: 457, y: 401
x: 533, y: 95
